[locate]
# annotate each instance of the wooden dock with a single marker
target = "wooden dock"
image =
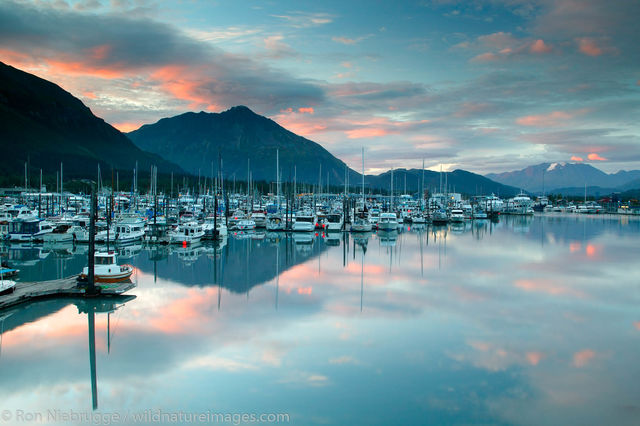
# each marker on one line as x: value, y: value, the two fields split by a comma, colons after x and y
x: 66, y: 287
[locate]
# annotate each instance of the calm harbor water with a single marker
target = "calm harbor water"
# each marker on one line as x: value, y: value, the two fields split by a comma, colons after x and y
x: 527, y: 321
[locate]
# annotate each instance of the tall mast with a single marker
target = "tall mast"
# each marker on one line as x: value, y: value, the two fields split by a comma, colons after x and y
x: 363, y: 177
x: 278, y: 180
x: 391, y: 196
x: 422, y: 187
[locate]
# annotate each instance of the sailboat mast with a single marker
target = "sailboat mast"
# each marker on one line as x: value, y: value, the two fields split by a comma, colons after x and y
x: 278, y: 180
x: 363, y: 177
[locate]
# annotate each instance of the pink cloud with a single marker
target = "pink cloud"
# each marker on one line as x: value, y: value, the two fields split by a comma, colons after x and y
x: 576, y: 158
x: 595, y: 157
x: 100, y: 53
x: 534, y: 358
x: 539, y: 46
x: 637, y: 325
x: 582, y: 358
x: 89, y: 95
x: 554, y: 118
x: 185, y: 83
x: 366, y: 133
x: 589, y: 47
x: 485, y: 57
x: 308, y: 110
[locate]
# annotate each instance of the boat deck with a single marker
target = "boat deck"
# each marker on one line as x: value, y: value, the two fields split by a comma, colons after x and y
x: 66, y: 287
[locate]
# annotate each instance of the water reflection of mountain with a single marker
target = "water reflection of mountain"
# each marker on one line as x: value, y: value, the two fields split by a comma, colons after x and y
x: 238, y: 266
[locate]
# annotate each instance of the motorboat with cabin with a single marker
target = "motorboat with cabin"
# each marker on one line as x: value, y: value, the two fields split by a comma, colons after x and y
x: 333, y: 222
x: 29, y: 228
x: 60, y: 234
x: 305, y: 221
x: 122, y: 233
x: 388, y: 221
x: 106, y: 269
x: 457, y: 216
x: 186, y: 233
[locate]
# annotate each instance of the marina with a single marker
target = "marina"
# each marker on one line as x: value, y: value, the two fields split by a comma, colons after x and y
x: 479, y: 321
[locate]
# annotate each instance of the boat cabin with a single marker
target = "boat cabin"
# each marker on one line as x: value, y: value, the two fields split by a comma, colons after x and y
x: 108, y: 258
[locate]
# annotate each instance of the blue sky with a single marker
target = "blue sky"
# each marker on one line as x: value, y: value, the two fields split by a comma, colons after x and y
x: 486, y: 86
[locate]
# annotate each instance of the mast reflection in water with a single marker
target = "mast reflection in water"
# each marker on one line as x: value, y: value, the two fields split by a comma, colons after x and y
x: 481, y: 322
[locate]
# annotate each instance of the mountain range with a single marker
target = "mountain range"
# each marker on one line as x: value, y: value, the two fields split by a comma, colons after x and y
x: 43, y: 124
x: 568, y: 178
x: 246, y: 140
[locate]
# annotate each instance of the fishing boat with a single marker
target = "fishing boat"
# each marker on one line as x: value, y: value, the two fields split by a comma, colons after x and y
x: 106, y: 269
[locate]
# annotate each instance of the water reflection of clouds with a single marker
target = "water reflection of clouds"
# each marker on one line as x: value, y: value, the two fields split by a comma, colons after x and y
x: 527, y: 328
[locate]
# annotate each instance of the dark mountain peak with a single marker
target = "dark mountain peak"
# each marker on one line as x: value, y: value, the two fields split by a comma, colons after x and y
x: 239, y: 109
x: 42, y: 122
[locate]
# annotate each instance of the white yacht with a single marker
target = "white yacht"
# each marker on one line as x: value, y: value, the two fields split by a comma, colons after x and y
x: 521, y: 204
x: 122, y: 233
x: 28, y: 228
x: 388, y: 221
x: 305, y: 221
x: 456, y: 216
x: 259, y: 218
x: 60, y: 234
x: 186, y: 233
x: 494, y: 204
x: 333, y: 222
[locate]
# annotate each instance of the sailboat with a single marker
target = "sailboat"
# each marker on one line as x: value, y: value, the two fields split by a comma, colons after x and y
x: 361, y: 221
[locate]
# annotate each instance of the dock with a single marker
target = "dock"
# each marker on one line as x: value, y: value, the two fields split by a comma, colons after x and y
x: 25, y: 292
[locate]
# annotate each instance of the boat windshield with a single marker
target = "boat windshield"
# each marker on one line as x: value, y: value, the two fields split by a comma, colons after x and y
x: 104, y: 260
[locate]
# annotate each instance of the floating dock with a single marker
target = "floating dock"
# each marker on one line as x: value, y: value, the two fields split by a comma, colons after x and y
x: 25, y: 292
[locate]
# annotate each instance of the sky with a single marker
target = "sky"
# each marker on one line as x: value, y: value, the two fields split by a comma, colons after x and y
x: 486, y: 86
